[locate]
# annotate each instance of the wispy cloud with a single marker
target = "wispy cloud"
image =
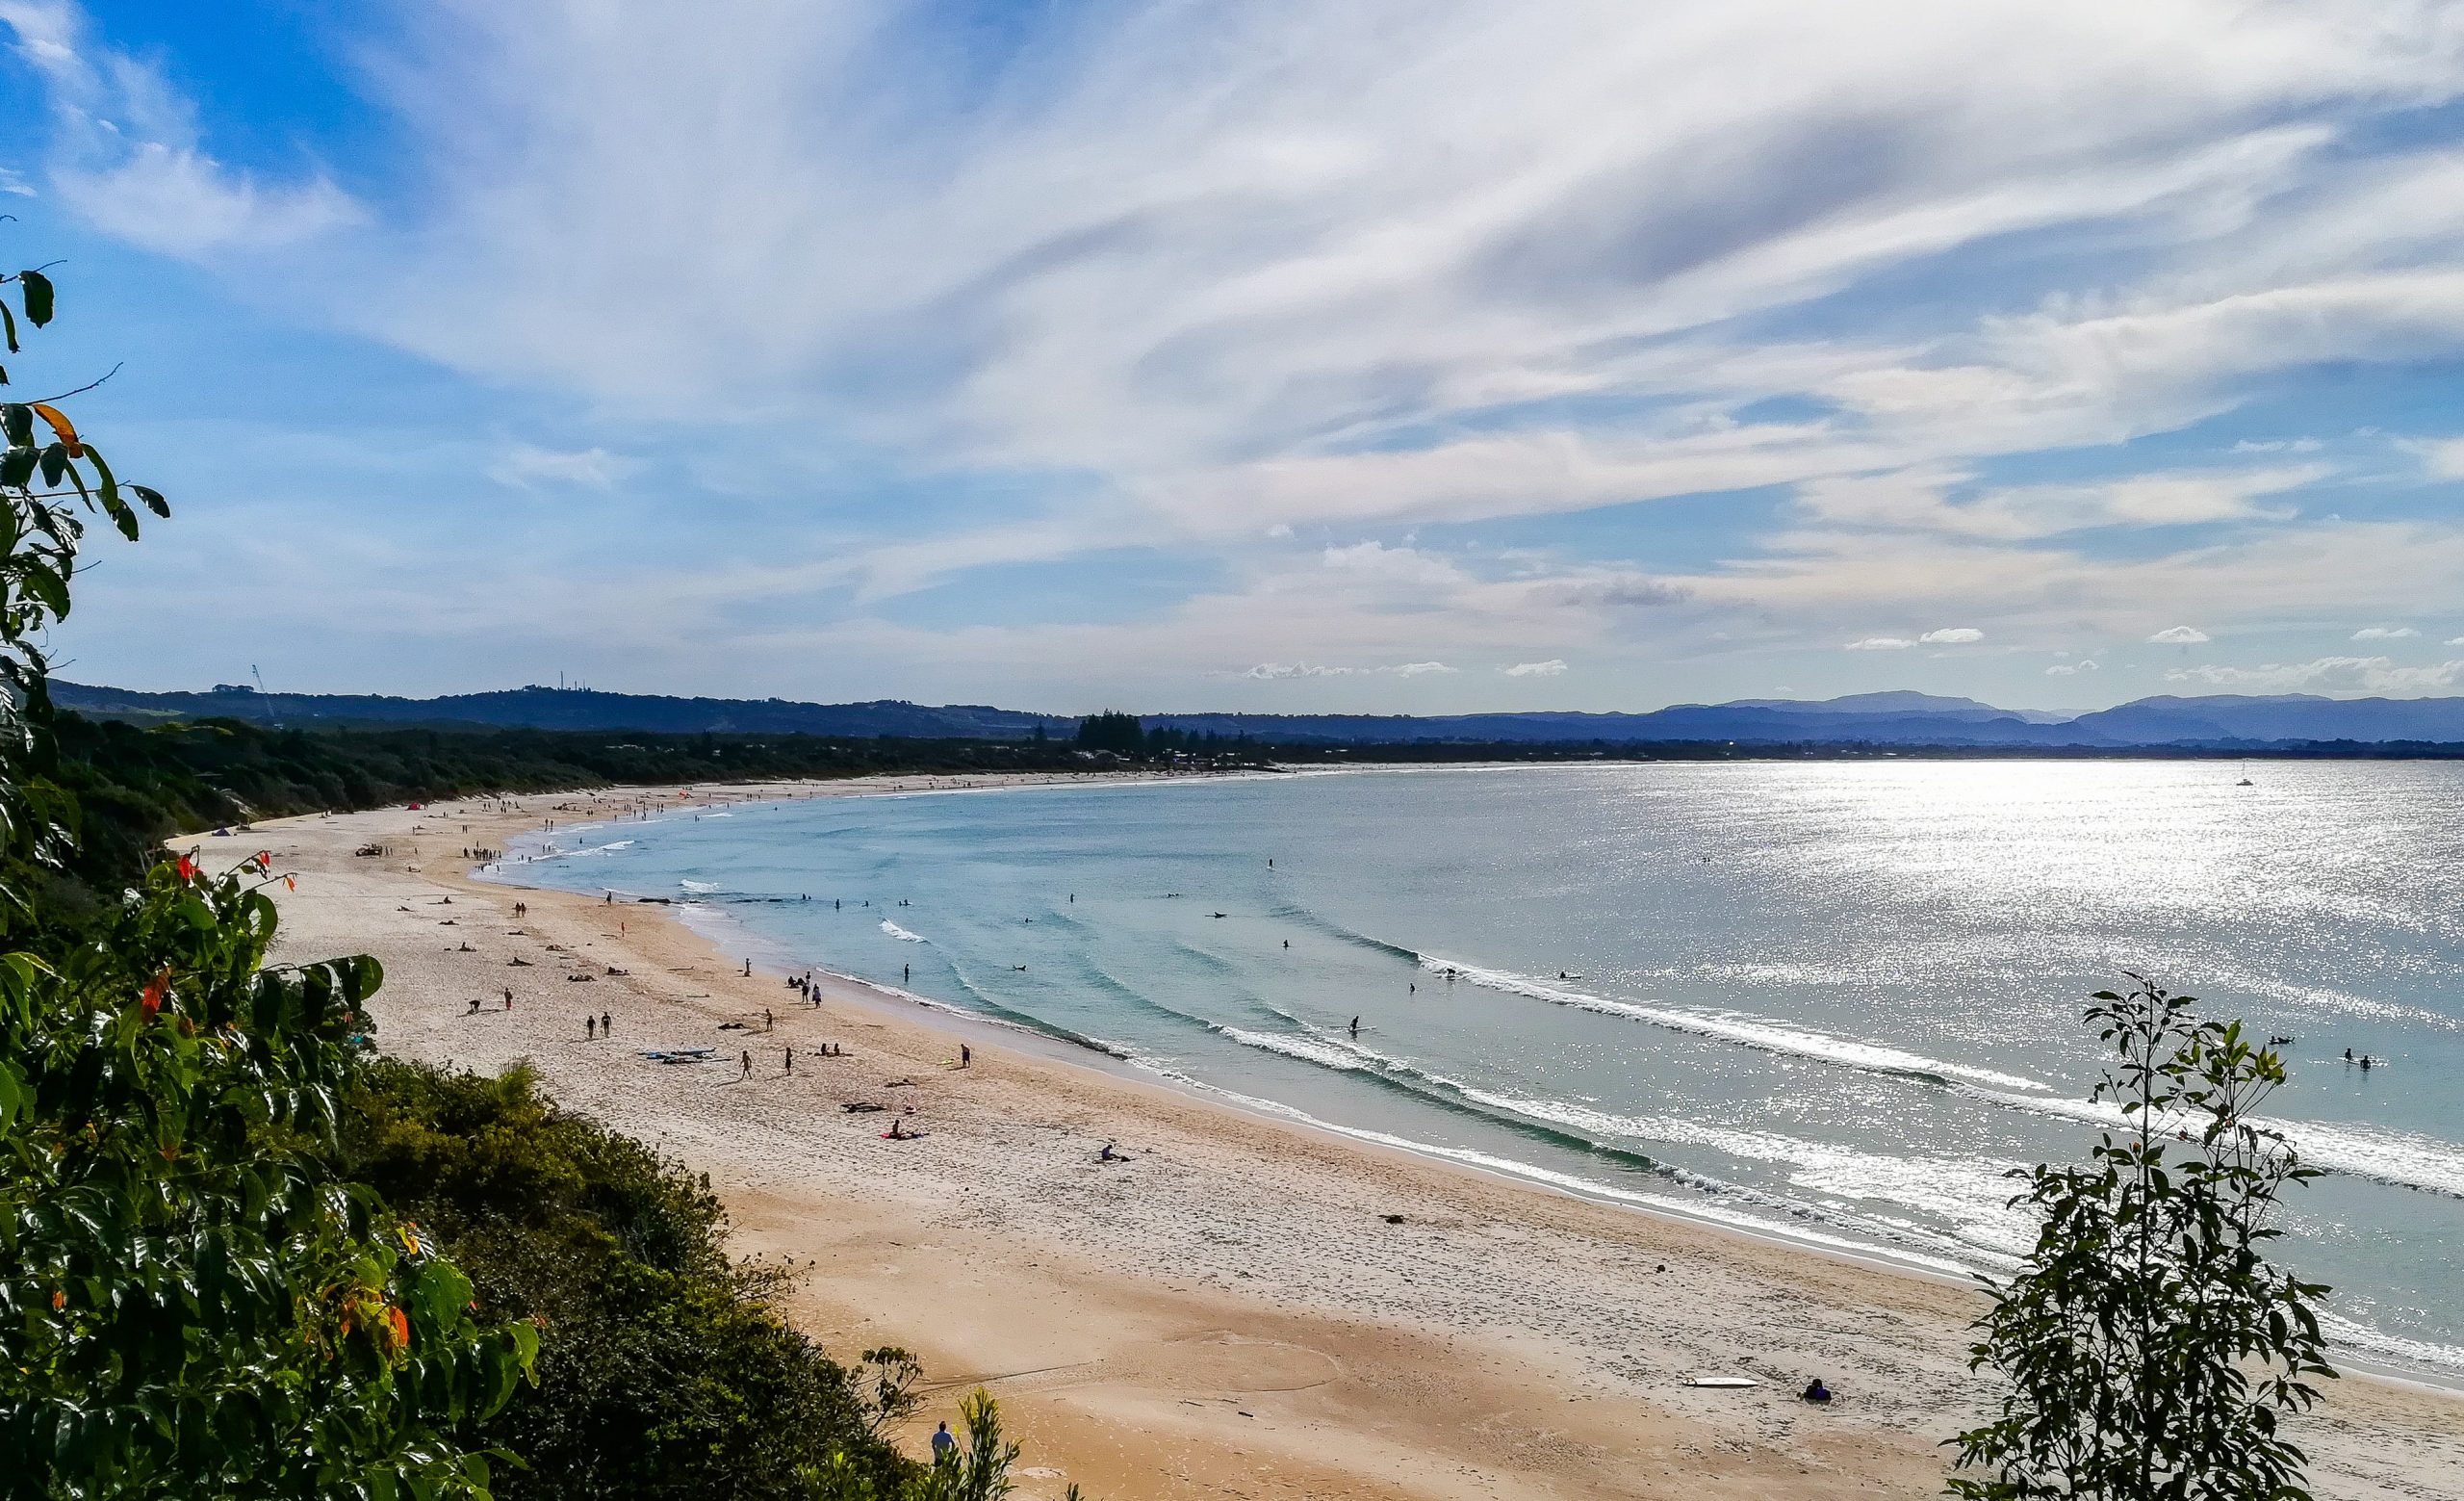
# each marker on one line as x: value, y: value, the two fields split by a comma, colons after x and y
x: 128, y: 157
x: 1554, y: 668
x: 1271, y: 671
x: 526, y: 465
x: 2328, y: 674
x: 1343, y: 308
x: 2385, y: 633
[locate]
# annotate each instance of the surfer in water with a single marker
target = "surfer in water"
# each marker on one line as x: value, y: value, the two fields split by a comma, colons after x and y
x: 1355, y: 1027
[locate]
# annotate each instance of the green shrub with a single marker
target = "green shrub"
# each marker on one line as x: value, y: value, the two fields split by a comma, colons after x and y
x: 665, y: 1370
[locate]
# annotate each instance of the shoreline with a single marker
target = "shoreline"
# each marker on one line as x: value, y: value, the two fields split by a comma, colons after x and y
x: 1565, y: 1322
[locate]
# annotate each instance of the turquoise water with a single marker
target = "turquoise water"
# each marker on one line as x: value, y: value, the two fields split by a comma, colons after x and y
x: 1833, y: 1001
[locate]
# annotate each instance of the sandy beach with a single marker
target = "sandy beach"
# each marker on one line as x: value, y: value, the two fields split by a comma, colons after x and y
x: 1245, y: 1307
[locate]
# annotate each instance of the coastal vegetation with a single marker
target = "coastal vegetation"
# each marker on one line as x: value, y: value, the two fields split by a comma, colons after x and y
x: 2150, y: 1346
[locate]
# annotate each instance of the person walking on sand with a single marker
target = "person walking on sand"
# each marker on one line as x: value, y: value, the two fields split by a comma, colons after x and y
x: 943, y: 1443
x: 607, y: 1026
x: 589, y: 1026
x: 746, y: 1071
x: 790, y: 1069
x: 967, y: 1055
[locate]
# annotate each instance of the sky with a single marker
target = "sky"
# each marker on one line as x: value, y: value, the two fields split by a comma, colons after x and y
x: 1422, y: 357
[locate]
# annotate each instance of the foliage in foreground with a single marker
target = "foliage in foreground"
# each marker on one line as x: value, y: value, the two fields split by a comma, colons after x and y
x: 2150, y: 1347
x: 191, y: 1302
x: 666, y: 1371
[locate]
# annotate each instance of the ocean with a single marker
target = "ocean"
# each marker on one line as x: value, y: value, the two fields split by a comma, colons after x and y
x: 1832, y: 1001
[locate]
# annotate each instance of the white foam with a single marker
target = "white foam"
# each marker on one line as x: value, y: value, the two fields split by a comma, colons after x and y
x: 1747, y: 1031
x: 2361, y: 1337
x: 2401, y: 1158
x: 704, y: 887
x: 900, y: 933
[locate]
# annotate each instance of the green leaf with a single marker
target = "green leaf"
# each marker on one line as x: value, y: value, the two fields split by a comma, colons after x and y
x: 8, y: 326
x: 18, y: 468
x: 152, y: 498
x: 18, y: 421
x: 37, y: 288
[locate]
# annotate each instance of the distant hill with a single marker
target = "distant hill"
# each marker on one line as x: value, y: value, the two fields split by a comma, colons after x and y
x: 2223, y: 723
x: 569, y: 709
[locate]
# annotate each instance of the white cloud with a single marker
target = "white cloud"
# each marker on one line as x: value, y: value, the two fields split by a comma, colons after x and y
x: 1922, y: 500
x: 2069, y: 669
x: 526, y: 465
x: 128, y: 160
x: 2179, y: 635
x: 1951, y: 635
x: 2442, y: 458
x: 1268, y: 671
x: 1554, y: 668
x: 2279, y: 446
x: 2385, y: 633
x: 1881, y: 643
x: 2328, y: 674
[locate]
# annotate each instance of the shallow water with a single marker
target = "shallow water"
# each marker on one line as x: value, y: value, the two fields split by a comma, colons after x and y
x: 1832, y: 999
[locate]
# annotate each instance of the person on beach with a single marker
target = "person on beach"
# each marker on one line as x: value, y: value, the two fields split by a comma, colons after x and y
x: 475, y: 1007
x: 967, y: 1055
x: 790, y: 1069
x: 768, y: 1020
x: 943, y: 1443
x: 1108, y: 1155
x: 607, y: 1026
x: 589, y: 1028
x: 898, y: 1127
x: 905, y: 972
x: 1817, y: 1393
x: 746, y: 1071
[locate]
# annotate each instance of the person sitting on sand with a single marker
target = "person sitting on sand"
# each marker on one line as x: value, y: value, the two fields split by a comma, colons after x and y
x: 1816, y: 1392
x: 1108, y: 1155
x: 898, y: 1127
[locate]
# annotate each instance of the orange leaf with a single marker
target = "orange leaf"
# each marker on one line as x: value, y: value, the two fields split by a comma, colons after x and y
x: 187, y: 868
x: 151, y: 1002
x: 59, y: 1300
x: 61, y: 424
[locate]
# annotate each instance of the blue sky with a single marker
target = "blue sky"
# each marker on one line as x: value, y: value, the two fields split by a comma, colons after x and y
x: 1408, y: 358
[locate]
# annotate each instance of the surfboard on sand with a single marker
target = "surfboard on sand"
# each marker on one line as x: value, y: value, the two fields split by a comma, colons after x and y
x: 1724, y: 1383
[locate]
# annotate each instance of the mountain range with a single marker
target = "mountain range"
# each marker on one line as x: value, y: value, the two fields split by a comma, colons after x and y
x: 2220, y: 721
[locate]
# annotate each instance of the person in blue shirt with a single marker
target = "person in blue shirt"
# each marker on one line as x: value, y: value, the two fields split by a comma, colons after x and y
x: 943, y: 1443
